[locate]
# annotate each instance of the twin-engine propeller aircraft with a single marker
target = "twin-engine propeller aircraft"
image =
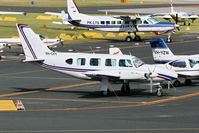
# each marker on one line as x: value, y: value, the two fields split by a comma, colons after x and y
x: 8, y: 42
x: 129, y: 24
x: 178, y: 16
x: 186, y: 66
x: 105, y: 68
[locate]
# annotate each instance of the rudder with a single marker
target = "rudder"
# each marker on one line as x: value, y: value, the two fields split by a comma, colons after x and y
x: 33, y: 47
x: 160, y: 50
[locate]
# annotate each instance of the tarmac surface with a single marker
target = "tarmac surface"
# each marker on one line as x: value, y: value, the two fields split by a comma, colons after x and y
x: 59, y: 103
x: 89, y: 10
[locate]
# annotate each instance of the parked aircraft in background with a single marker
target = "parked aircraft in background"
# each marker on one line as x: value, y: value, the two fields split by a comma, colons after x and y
x: 129, y: 24
x: 8, y: 42
x: 186, y: 66
x: 178, y: 16
x: 105, y: 68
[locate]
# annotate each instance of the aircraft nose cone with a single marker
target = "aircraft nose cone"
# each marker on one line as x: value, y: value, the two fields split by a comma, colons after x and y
x: 168, y: 74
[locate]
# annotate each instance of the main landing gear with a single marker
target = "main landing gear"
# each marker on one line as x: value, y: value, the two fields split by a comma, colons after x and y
x: 177, y: 83
x: 169, y: 39
x: 125, y: 89
x: 130, y: 39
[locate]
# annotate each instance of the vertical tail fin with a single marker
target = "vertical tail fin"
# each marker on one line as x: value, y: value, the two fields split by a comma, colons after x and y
x: 115, y: 51
x: 33, y: 47
x: 172, y: 10
x: 160, y: 50
x: 73, y: 12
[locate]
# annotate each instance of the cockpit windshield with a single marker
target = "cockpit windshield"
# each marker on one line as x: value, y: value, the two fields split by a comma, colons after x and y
x: 192, y: 62
x: 41, y: 37
x: 152, y: 20
x: 137, y: 62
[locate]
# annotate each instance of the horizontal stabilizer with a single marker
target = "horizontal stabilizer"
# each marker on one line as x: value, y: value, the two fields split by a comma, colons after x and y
x: 53, y: 13
x: 35, y: 60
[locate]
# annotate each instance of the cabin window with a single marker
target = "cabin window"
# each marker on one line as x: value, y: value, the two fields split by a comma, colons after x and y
x: 107, y: 22
x: 95, y: 62
x: 119, y: 22
x: 110, y: 62
x: 81, y: 61
x: 69, y: 61
x: 137, y: 62
x: 145, y: 22
x: 152, y: 20
x: 102, y: 22
x: 180, y: 64
x: 112, y: 22
x: 125, y: 63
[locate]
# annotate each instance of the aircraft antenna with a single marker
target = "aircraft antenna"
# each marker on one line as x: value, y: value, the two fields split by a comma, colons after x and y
x: 110, y: 86
x: 91, y: 49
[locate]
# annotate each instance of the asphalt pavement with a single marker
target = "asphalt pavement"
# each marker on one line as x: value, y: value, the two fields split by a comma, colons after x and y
x: 56, y: 102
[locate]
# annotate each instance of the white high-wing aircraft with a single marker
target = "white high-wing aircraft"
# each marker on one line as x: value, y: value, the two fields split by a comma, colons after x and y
x: 106, y: 68
x: 129, y: 24
x: 5, y: 12
x: 7, y: 42
x: 178, y: 16
x: 186, y: 66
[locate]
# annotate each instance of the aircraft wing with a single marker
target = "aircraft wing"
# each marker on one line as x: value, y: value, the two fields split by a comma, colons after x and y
x: 5, y: 12
x: 193, y: 17
x: 53, y: 13
x: 10, y: 41
x: 99, y: 74
x: 127, y: 18
x: 162, y: 15
x: 132, y: 75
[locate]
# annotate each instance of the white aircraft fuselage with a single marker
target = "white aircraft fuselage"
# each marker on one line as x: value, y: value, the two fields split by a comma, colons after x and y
x: 108, y: 23
x: 79, y: 65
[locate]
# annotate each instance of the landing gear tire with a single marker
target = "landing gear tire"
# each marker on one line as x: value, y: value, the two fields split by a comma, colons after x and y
x: 188, y: 82
x: 159, y: 92
x: 176, y: 83
x: 137, y: 38
x: 125, y: 89
x: 128, y: 39
x: 105, y: 93
x: 169, y: 40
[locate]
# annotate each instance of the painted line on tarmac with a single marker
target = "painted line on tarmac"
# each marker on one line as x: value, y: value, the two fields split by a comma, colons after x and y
x: 121, y: 106
x: 72, y: 100
x: 25, y: 72
x: 102, y: 130
x: 54, y: 88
